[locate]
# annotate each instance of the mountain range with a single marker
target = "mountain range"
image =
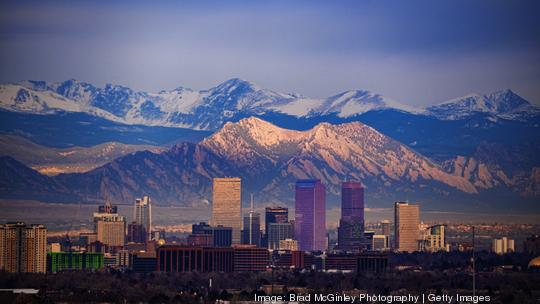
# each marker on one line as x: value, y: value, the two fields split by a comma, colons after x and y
x: 477, y: 150
x: 73, y: 113
x: 52, y: 161
x: 270, y: 159
x: 209, y: 109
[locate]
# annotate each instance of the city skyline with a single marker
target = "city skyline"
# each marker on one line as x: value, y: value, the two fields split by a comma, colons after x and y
x: 210, y: 249
x: 250, y: 152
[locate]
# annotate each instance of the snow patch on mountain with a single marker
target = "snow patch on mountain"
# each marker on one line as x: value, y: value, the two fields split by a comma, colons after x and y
x: 502, y: 104
x: 212, y: 108
x: 355, y: 102
x: 21, y: 99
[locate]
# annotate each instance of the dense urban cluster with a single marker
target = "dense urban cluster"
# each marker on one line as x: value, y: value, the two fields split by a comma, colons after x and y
x: 237, y: 243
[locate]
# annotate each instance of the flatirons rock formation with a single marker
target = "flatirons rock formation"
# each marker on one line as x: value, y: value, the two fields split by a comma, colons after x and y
x: 270, y: 159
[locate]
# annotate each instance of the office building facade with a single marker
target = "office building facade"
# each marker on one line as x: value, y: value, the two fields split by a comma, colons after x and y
x: 136, y: 233
x: 67, y: 261
x: 435, y: 239
x: 227, y: 205
x: 252, y: 229
x: 250, y: 258
x: 275, y: 215
x: 351, y: 224
x: 380, y: 242
x: 201, y: 240
x: 278, y: 232
x: 221, y: 236
x: 340, y: 261
x: 110, y: 229
x: 143, y: 262
x: 385, y: 227
x: 23, y: 248
x: 143, y: 215
x: 173, y: 258
x: 502, y: 245
x: 406, y: 226
x: 372, y: 263
x: 288, y: 244
x: 310, y: 215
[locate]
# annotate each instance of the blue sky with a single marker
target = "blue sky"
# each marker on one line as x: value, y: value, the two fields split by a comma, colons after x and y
x: 416, y: 52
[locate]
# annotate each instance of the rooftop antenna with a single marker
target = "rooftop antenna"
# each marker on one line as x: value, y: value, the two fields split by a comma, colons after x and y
x: 251, y: 202
x: 107, y: 201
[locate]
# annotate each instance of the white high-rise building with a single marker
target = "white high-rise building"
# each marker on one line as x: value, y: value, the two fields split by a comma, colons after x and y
x: 143, y: 214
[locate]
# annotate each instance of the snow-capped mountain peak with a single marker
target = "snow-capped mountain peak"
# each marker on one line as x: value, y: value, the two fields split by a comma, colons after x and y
x: 504, y: 104
x: 355, y: 102
x: 210, y: 109
x: 236, y: 84
x: 507, y: 101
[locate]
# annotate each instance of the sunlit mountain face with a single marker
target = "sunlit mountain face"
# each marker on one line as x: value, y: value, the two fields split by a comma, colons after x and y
x: 75, y: 113
x: 75, y: 141
x: 270, y: 159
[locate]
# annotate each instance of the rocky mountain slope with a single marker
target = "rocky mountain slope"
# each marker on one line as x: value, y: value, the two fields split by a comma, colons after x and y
x: 270, y: 159
x: 52, y: 161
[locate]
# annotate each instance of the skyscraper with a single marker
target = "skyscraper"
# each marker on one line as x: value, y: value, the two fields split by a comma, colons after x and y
x: 278, y: 232
x: 23, y: 248
x: 406, y: 226
x: 252, y: 227
x: 275, y: 215
x: 435, y: 239
x: 143, y: 214
x: 136, y: 233
x: 110, y: 227
x: 310, y: 215
x: 385, y: 227
x: 351, y: 224
x: 227, y: 205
